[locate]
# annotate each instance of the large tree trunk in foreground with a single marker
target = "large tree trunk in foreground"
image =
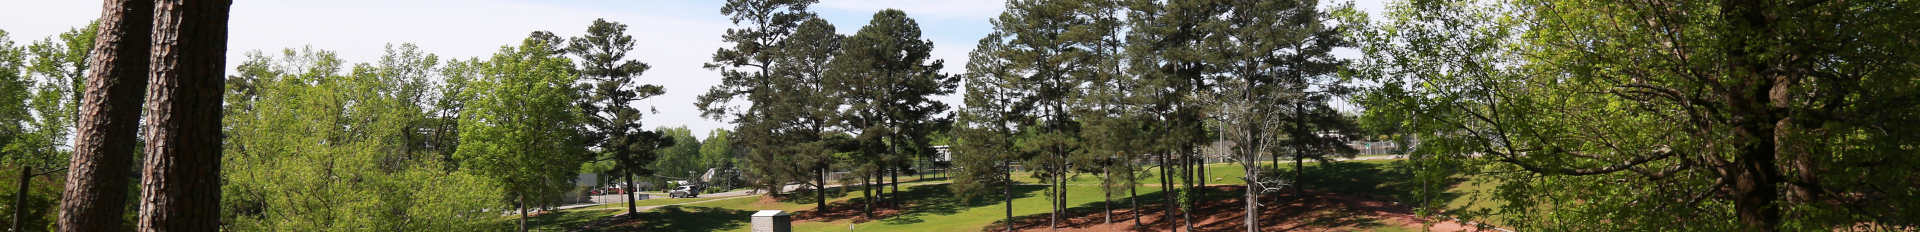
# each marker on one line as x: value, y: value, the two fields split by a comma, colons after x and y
x: 180, y: 189
x: 95, y: 198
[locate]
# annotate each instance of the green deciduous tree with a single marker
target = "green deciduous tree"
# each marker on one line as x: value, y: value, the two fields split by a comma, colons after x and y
x: 20, y: 144
x: 522, y: 129
x: 682, y: 159
x: 58, y: 67
x: 311, y: 148
x: 716, y: 151
x: 1709, y: 115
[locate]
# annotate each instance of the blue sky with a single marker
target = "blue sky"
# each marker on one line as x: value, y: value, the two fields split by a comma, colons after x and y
x: 674, y: 36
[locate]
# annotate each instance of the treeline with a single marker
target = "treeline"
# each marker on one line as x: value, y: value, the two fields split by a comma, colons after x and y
x: 410, y: 142
x: 1122, y: 90
x: 1118, y: 90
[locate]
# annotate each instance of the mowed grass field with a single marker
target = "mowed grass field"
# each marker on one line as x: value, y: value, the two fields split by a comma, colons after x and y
x: 932, y: 207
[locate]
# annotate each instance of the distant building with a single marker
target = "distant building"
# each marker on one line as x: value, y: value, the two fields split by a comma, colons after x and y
x: 941, y: 154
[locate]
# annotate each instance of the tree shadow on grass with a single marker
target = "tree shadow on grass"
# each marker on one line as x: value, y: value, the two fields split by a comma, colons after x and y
x: 566, y: 219
x: 1093, y: 213
x: 1391, y: 182
x: 808, y: 197
x: 919, y: 200
x: 683, y: 218
x: 936, y: 199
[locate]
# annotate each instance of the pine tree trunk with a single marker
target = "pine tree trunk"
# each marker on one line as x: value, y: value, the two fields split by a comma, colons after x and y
x: 1053, y: 213
x: 866, y: 193
x: 820, y: 194
x: 631, y: 192
x: 896, y: 188
x: 1167, y: 190
x: 1186, y: 217
x: 1133, y: 197
x: 180, y: 189
x: 1008, y: 183
x: 1299, y: 174
x: 98, y: 169
x: 1253, y: 195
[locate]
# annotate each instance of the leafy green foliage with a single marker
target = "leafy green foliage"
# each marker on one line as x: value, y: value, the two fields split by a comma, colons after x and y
x: 312, y: 149
x: 1718, y: 115
x: 683, y: 159
x: 523, y: 129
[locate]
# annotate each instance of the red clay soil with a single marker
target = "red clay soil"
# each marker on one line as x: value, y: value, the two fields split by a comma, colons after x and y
x: 1317, y: 211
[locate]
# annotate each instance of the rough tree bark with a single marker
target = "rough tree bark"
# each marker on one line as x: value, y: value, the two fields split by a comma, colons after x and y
x: 95, y: 197
x: 180, y: 187
x: 521, y: 202
x: 1166, y: 190
x: 1133, y: 197
x: 1007, y: 185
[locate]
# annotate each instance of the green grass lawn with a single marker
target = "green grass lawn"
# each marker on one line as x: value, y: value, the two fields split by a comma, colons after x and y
x: 1476, y: 201
x: 562, y: 220
x: 934, y: 208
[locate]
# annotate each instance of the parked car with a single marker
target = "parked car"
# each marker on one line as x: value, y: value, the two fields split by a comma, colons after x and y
x: 684, y: 191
